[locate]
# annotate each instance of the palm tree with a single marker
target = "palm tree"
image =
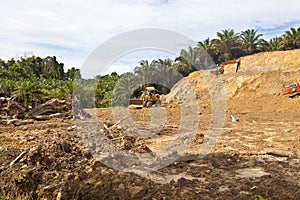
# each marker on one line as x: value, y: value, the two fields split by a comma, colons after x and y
x: 274, y: 44
x: 228, y: 45
x: 7, y: 86
x: 166, y: 62
x: 124, y: 89
x: 251, y: 41
x: 27, y: 92
x: 291, y: 39
x: 208, y: 54
x: 168, y: 76
x: 188, y: 61
x: 147, y: 72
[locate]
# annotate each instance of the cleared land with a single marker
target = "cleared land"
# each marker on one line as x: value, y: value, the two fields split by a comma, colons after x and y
x: 258, y: 155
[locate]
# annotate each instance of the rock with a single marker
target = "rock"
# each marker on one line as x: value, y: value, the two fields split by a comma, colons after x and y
x: 234, y: 119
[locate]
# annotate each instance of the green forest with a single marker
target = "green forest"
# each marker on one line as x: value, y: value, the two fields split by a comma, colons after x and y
x: 34, y: 80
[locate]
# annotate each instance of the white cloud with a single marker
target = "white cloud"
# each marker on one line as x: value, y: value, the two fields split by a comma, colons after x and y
x: 80, y: 26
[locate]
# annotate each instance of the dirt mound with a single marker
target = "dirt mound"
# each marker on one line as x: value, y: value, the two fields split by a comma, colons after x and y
x: 257, y: 87
x: 266, y: 61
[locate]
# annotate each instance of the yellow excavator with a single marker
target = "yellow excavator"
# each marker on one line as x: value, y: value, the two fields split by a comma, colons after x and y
x: 147, y: 99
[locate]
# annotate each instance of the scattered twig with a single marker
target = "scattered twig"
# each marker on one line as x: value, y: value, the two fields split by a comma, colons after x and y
x: 17, y: 158
x: 106, y: 127
x: 117, y: 138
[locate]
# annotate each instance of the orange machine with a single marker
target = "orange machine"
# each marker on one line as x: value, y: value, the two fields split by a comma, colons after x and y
x: 291, y: 89
x: 220, y: 69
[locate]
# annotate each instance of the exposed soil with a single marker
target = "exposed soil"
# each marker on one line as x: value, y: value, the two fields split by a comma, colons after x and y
x: 244, y: 163
x: 57, y: 165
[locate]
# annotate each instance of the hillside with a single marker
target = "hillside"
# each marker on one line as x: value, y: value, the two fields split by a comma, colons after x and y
x: 255, y: 88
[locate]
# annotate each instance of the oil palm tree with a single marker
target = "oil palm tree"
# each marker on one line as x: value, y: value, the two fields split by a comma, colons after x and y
x: 274, y: 44
x: 146, y: 72
x: 291, y: 39
x: 27, y: 92
x: 208, y: 54
x: 7, y: 86
x: 188, y: 61
x: 167, y: 74
x: 228, y: 45
x: 124, y: 89
x: 251, y: 41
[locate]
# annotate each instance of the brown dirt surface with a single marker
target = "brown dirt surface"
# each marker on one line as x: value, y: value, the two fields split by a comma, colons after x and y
x: 57, y: 164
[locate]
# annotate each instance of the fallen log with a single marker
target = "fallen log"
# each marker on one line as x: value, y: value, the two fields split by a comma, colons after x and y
x: 59, y: 115
x: 18, y: 122
x: 50, y: 107
x: 41, y: 117
x: 282, y: 153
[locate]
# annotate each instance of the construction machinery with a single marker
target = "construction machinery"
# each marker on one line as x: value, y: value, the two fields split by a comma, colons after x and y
x: 220, y: 69
x: 291, y: 89
x: 147, y: 99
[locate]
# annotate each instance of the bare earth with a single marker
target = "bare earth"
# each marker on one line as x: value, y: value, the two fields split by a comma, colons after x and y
x: 237, y: 168
x: 257, y: 155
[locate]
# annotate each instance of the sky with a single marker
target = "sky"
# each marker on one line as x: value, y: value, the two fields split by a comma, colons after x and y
x: 72, y: 29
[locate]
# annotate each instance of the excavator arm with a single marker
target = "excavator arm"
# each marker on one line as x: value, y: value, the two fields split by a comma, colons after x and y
x: 221, y: 68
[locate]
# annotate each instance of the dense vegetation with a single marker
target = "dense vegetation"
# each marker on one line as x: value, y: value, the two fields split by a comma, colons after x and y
x: 34, y: 80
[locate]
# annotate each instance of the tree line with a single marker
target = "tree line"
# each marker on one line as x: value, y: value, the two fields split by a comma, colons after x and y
x: 228, y: 45
x: 34, y: 80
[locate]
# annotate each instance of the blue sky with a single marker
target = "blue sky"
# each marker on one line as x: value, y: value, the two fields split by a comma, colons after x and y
x: 72, y: 29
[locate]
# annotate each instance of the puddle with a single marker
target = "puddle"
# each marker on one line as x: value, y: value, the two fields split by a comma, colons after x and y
x: 251, y: 173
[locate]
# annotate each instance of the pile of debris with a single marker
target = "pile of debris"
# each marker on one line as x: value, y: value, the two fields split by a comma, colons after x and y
x: 12, y: 112
x: 11, y: 109
x: 123, y: 140
x: 54, y: 108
